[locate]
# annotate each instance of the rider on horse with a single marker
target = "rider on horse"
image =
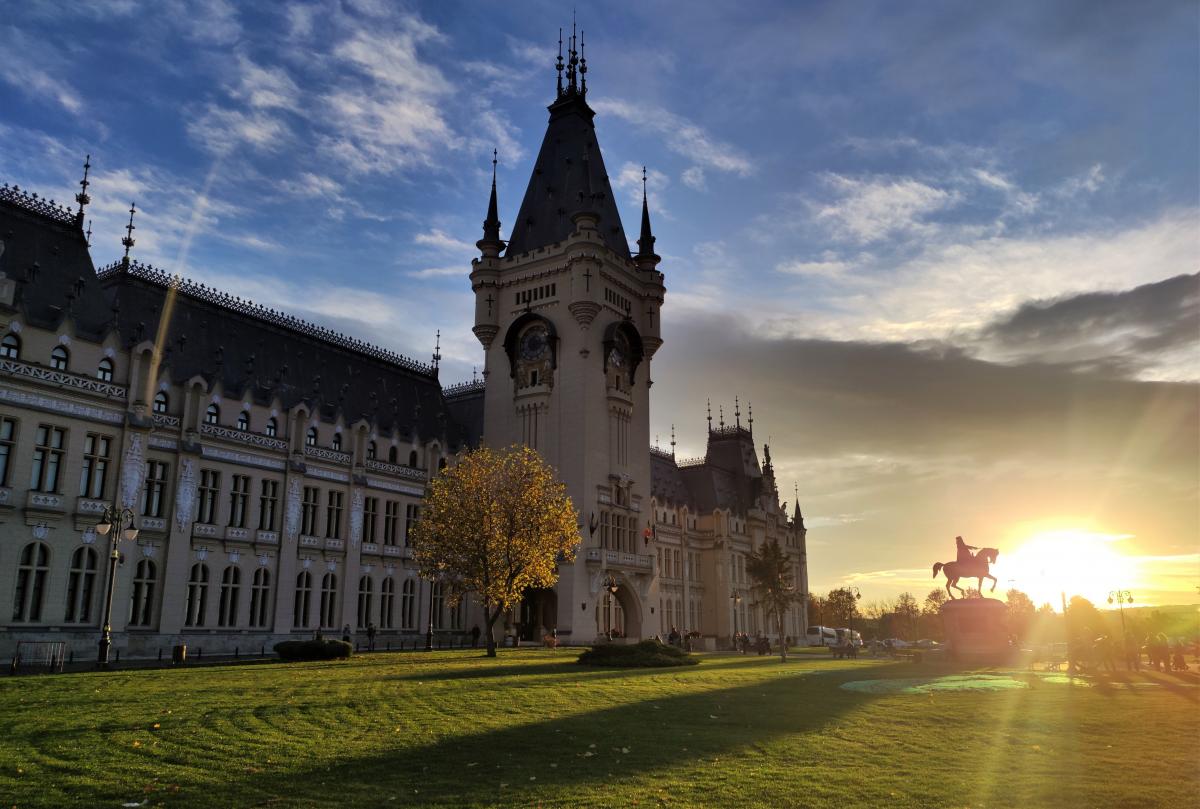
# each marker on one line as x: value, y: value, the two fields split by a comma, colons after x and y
x: 964, y: 550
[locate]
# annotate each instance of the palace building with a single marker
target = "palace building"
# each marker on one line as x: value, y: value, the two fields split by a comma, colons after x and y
x: 274, y: 468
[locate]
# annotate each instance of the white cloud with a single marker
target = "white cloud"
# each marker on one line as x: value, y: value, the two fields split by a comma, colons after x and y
x: 441, y: 272
x: 23, y: 65
x: 693, y: 177
x: 867, y: 210
x: 265, y: 88
x: 440, y: 240
x: 629, y: 180
x: 221, y: 130
x: 814, y: 269
x: 682, y: 136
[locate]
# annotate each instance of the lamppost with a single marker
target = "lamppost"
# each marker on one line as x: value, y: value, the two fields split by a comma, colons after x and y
x: 429, y: 629
x: 117, y: 524
x: 853, y: 609
x: 1122, y: 597
x: 610, y: 591
x: 736, y: 598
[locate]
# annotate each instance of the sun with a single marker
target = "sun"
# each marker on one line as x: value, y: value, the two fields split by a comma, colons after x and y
x: 1050, y: 563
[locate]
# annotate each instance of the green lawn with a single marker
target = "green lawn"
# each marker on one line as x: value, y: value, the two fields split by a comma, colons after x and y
x: 534, y: 729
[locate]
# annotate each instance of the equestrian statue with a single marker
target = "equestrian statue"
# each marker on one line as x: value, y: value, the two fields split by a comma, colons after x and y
x: 968, y: 566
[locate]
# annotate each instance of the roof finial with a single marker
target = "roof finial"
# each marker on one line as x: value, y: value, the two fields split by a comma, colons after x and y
x: 572, y: 59
x: 708, y: 407
x: 491, y: 245
x: 721, y: 412
x: 474, y: 373
x: 128, y: 240
x: 672, y: 442
x: 89, y: 233
x: 750, y: 407
x: 646, y: 258
x: 582, y: 67
x: 737, y: 412
x: 559, y: 65
x: 437, y: 350
x: 82, y: 197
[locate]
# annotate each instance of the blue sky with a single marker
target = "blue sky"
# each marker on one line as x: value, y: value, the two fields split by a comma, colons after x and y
x: 939, y: 189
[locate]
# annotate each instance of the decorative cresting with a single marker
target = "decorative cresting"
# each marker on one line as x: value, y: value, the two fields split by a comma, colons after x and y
x: 464, y: 388
x: 244, y: 437
x: 185, y: 494
x: 133, y: 469
x: 291, y: 523
x: 185, y: 286
x: 35, y: 204
x: 64, y: 379
x: 356, y: 517
x: 514, y: 333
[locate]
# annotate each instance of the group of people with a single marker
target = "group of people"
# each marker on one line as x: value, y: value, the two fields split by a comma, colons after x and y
x: 742, y: 642
x: 1101, y: 653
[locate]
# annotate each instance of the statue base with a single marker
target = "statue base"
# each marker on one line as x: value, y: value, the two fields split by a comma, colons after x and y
x: 976, y: 630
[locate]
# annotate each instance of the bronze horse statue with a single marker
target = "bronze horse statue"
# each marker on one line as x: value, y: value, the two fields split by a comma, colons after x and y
x: 978, y: 567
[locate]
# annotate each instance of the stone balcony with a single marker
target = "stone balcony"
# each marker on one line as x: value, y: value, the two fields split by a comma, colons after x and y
x: 396, y: 550
x: 156, y: 524
x: 205, y: 530
x: 45, y: 501
x: 307, y: 541
x: 335, y: 544
x: 370, y: 548
x: 6, y: 497
x: 620, y: 559
x: 90, y: 506
x: 233, y: 534
x: 267, y: 537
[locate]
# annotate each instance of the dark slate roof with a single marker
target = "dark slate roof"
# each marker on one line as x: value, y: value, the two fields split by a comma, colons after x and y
x: 666, y: 481
x: 465, y: 402
x: 264, y: 354
x: 728, y: 478
x: 47, y: 254
x: 560, y: 187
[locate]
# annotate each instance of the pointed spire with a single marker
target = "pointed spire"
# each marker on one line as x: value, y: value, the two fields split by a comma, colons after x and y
x: 737, y: 412
x: 721, y: 412
x: 708, y: 407
x: 437, y: 350
x: 572, y: 61
x: 646, y: 258
x: 672, y: 442
x: 491, y: 245
x: 582, y: 67
x: 559, y: 65
x: 88, y: 235
x: 82, y: 197
x: 128, y: 241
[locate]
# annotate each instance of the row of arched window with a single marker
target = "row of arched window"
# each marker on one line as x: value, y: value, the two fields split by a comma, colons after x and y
x: 60, y: 357
x: 83, y: 582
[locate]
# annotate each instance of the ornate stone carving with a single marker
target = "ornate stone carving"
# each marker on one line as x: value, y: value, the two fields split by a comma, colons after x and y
x: 185, y: 494
x: 244, y: 437
x: 291, y: 514
x: 133, y: 469
x: 356, y: 517
x: 584, y: 312
x: 52, y: 405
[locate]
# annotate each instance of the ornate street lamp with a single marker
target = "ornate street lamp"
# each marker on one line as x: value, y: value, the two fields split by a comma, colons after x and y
x: 429, y: 629
x: 736, y: 598
x: 610, y: 585
x: 116, y: 524
x: 853, y: 608
x: 1122, y: 597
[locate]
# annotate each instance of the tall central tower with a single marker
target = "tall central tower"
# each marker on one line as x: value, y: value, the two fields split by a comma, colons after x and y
x: 569, y: 322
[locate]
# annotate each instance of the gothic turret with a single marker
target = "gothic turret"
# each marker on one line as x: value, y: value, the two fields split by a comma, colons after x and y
x: 646, y: 258
x: 491, y: 245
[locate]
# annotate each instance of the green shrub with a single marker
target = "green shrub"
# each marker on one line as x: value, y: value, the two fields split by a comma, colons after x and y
x: 646, y: 654
x: 313, y: 649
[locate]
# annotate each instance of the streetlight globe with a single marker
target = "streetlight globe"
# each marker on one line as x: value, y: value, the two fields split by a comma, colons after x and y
x: 129, y: 534
x: 103, y: 527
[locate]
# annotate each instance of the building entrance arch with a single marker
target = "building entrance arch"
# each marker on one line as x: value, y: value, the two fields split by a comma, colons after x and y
x: 619, y: 613
x: 538, y: 613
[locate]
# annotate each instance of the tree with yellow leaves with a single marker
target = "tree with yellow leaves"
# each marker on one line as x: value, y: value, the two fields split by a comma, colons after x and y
x: 495, y: 524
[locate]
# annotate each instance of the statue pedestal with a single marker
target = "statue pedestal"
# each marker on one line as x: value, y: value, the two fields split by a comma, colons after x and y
x: 976, y: 630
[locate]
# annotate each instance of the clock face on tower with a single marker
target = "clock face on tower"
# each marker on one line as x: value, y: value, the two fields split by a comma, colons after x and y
x: 534, y: 344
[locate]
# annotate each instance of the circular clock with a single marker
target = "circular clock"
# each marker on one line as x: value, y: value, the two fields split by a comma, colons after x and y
x: 534, y: 343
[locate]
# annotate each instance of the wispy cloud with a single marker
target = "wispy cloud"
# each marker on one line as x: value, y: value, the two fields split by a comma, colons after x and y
x: 682, y: 136
x: 867, y: 210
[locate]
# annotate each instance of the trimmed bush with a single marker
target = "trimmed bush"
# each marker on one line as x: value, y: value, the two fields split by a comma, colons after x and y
x: 646, y: 654
x: 313, y: 649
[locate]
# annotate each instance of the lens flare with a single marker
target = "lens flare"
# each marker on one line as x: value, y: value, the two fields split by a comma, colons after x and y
x: 1075, y: 562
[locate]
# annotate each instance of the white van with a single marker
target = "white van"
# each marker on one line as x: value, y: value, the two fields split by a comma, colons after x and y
x: 822, y: 636
x: 851, y: 636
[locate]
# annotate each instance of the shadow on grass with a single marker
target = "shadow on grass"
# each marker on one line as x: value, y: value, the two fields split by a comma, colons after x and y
x: 541, y: 760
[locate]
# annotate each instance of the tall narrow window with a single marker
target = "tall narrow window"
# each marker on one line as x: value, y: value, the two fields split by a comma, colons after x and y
x: 10, y: 347
x: 239, y: 493
x: 391, y: 521
x: 8, y: 439
x: 308, y: 511
x: 408, y: 604
x: 243, y: 422
x: 260, y: 598
x: 210, y: 486
x: 161, y: 401
x: 197, y: 595
x: 153, y: 504
x: 80, y: 585
x: 370, y: 518
x: 59, y: 358
x: 365, y: 594
x: 303, y: 599
x: 387, y: 603
x: 311, y: 438
x: 94, y: 472
x: 371, y: 451
x: 412, y: 459
x: 412, y: 513
x: 227, y: 607
x: 47, y: 458
x: 337, y: 442
x: 456, y: 614
x: 333, y: 515
x: 141, y: 602
x: 32, y: 569
x: 272, y: 428
x: 329, y: 600
x: 392, y: 455
x: 104, y: 371
x: 437, y: 603
x: 212, y: 415
x: 268, y: 502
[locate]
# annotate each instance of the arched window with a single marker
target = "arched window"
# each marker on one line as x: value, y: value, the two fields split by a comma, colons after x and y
x: 59, y: 358
x: 32, y: 569
x: 412, y: 459
x: 371, y: 451
x: 227, y: 607
x: 141, y: 604
x: 260, y: 597
x: 160, y: 402
x: 392, y: 455
x: 10, y: 347
x: 387, y: 603
x: 365, y: 595
x: 303, y: 598
x: 329, y: 600
x: 244, y: 420
x: 438, y: 605
x: 104, y: 371
x: 337, y: 441
x: 408, y: 604
x: 212, y: 415
x: 272, y: 428
x: 80, y: 585
x: 441, y: 463
x: 311, y: 438
x: 456, y: 614
x: 197, y: 595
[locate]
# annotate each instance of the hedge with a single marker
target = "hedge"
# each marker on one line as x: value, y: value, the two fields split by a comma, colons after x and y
x: 313, y: 649
x: 646, y: 654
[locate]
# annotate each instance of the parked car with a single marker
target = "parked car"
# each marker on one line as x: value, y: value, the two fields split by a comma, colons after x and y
x: 821, y: 636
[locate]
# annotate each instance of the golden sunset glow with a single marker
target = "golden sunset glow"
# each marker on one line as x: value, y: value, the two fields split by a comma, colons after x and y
x: 1048, y: 563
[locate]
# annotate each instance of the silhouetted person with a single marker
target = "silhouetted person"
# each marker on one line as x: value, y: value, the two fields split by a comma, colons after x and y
x: 475, y: 636
x: 964, y: 550
x: 370, y: 637
x: 346, y: 633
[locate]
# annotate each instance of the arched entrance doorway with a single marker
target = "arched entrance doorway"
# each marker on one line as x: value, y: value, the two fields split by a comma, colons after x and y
x: 618, y: 614
x: 538, y: 614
